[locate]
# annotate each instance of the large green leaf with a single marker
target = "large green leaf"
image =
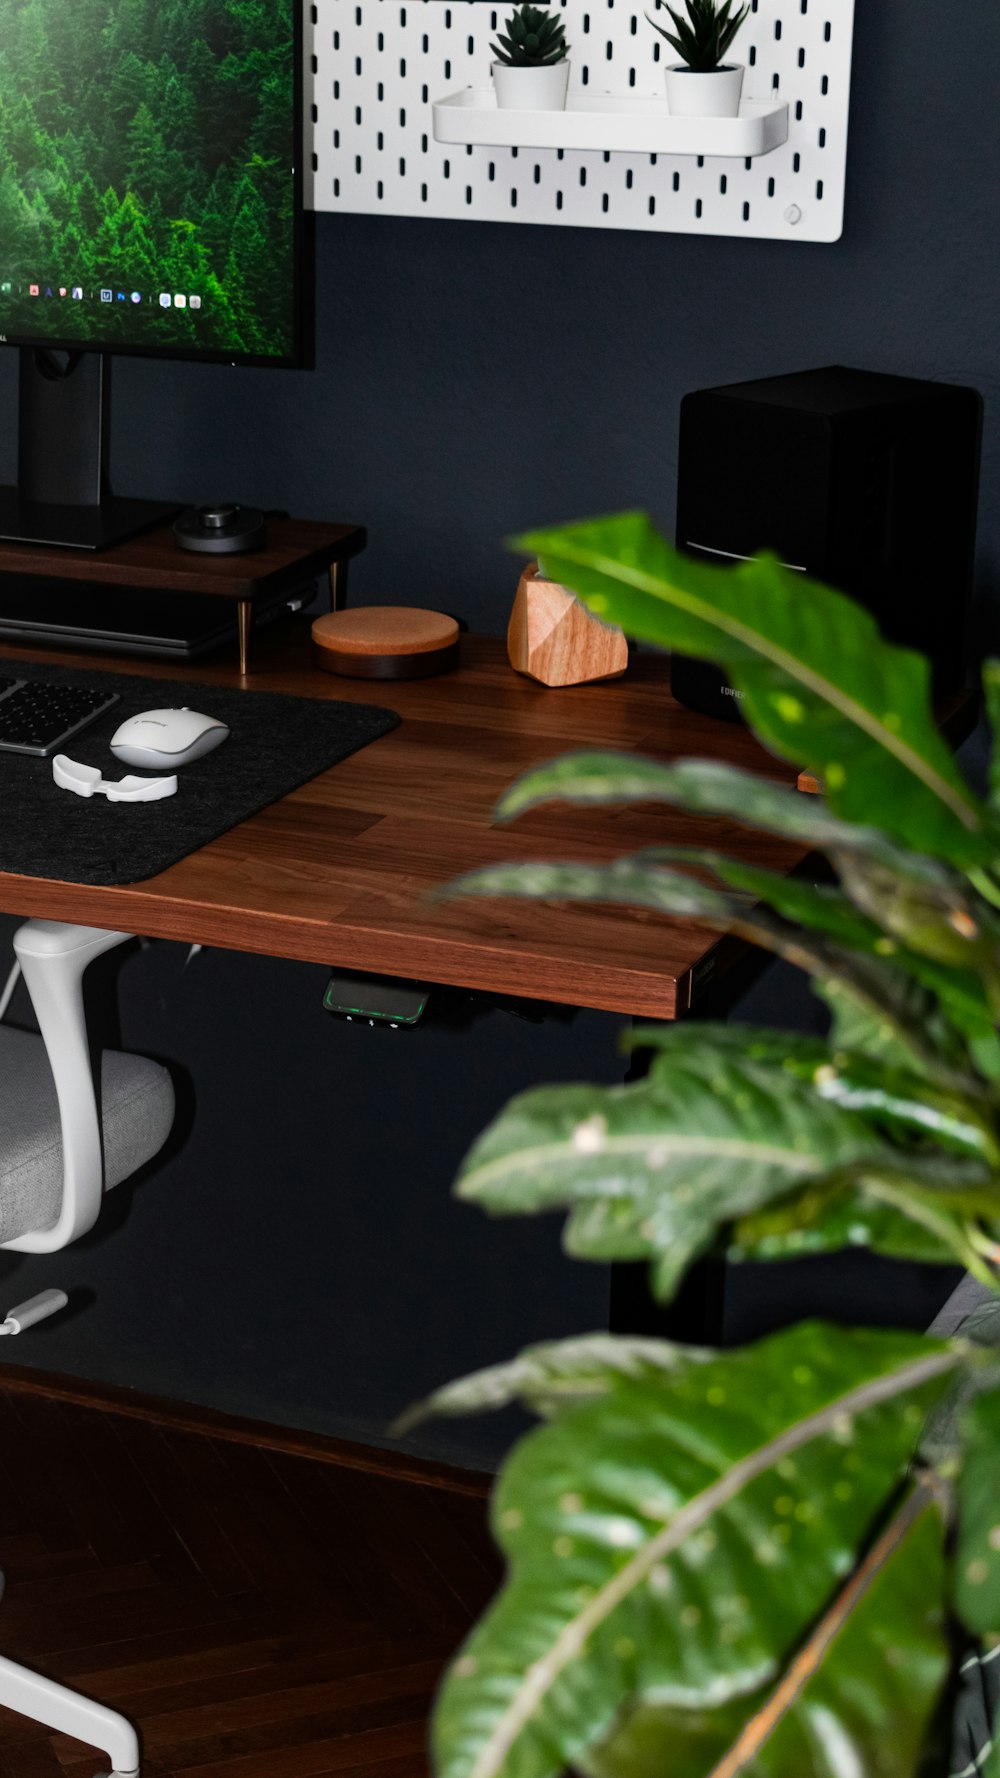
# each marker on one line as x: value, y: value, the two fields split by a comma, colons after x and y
x: 557, y: 1375
x: 656, y: 1168
x: 893, y: 1098
x: 931, y: 1208
x: 678, y: 1539
x: 821, y: 687
x: 991, y: 692
x: 709, y: 787
x: 855, y: 1700
x: 977, y: 1558
x: 897, y: 1014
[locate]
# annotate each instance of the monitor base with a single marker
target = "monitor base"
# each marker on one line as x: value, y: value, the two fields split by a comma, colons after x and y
x: 79, y: 527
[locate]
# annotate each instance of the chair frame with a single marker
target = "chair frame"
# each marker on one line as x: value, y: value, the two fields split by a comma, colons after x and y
x: 53, y: 958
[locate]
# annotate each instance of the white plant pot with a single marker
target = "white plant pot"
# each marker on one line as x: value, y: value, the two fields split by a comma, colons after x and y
x: 690, y: 94
x: 531, y: 89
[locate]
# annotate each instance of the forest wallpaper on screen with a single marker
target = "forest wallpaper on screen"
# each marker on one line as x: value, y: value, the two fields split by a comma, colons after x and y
x: 147, y: 152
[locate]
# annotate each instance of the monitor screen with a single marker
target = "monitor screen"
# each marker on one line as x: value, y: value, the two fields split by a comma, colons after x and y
x: 149, y: 176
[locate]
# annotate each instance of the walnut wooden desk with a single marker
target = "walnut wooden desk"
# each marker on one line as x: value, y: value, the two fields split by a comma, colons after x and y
x: 338, y: 871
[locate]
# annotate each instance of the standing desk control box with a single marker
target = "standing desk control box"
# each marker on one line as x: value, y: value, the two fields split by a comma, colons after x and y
x: 864, y: 481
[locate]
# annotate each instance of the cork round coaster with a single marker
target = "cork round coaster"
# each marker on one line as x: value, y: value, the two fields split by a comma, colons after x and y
x: 385, y: 642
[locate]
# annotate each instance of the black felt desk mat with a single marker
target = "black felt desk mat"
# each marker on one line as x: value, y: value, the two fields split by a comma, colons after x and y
x: 276, y: 743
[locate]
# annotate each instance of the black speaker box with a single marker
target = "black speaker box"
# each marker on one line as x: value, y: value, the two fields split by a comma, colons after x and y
x: 864, y: 481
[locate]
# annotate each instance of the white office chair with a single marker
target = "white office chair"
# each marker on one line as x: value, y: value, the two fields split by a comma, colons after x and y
x: 61, y: 1147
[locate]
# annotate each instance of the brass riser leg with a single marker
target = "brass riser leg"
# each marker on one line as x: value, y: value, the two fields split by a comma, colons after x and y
x: 244, y: 622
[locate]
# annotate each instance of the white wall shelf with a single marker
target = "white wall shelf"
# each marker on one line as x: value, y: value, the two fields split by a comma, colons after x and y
x: 610, y: 121
x: 377, y: 71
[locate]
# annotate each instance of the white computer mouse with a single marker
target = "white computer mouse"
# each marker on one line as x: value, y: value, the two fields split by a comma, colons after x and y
x: 161, y: 740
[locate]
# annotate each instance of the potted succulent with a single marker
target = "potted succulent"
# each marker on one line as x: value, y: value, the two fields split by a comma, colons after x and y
x: 531, y: 71
x: 703, y: 84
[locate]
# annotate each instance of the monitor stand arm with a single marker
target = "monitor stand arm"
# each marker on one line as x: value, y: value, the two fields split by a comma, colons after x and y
x: 63, y: 495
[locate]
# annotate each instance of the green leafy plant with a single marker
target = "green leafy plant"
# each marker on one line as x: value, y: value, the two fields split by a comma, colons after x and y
x: 702, y: 39
x: 535, y: 38
x: 762, y: 1561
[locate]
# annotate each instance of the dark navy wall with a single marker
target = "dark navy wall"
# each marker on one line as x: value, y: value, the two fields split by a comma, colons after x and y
x: 471, y: 379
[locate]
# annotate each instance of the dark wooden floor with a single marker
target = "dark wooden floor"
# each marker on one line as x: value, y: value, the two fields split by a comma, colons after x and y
x: 256, y: 1614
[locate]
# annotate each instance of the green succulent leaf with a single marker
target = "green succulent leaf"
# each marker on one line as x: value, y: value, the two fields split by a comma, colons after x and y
x: 535, y: 38
x: 550, y: 1379
x: 857, y: 715
x: 680, y: 1538
x: 856, y: 1698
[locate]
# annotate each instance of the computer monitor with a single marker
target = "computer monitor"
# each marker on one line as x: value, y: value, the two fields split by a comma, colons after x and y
x: 150, y: 204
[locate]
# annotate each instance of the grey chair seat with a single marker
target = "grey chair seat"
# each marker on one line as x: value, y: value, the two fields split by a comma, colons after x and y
x: 137, y: 1109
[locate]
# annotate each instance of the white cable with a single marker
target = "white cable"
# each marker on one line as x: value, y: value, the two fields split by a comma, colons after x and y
x: 9, y: 986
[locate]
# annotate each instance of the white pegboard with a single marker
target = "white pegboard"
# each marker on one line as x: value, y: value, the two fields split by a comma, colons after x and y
x: 375, y: 67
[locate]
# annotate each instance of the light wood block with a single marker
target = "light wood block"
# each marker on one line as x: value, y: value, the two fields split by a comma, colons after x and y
x: 553, y: 638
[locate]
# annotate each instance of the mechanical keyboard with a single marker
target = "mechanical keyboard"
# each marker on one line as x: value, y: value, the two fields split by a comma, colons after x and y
x: 38, y: 715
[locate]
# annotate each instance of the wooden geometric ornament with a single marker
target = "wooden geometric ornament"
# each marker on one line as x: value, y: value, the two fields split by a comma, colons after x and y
x: 553, y: 638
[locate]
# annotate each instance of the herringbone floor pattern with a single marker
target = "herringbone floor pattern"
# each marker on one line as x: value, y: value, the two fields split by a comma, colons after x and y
x: 257, y: 1614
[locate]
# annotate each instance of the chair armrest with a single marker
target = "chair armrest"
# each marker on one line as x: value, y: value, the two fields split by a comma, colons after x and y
x: 53, y: 958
